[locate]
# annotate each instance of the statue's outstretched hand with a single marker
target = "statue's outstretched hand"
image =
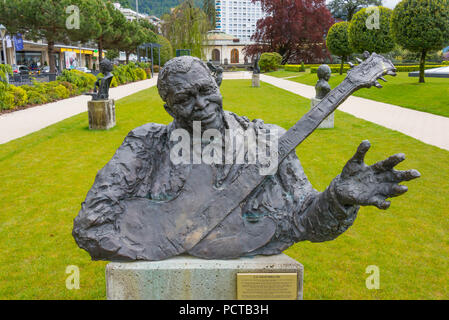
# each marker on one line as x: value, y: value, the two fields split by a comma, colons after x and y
x: 360, y: 184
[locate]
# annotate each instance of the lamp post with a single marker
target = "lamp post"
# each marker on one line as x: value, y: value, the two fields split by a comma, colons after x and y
x: 3, y: 34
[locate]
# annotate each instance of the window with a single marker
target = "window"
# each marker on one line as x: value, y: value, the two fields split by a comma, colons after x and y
x: 234, y: 56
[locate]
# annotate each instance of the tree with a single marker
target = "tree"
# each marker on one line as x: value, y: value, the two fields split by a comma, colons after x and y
x: 370, y: 30
x: 421, y: 26
x: 293, y: 28
x: 166, y: 49
x: 50, y: 20
x: 337, y: 41
x: 209, y: 9
x: 186, y: 28
x: 345, y: 9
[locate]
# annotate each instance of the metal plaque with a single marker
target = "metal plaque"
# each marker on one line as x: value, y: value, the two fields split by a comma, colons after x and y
x: 267, y: 286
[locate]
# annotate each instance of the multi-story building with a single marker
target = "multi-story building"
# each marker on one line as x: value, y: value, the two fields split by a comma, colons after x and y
x: 238, y: 17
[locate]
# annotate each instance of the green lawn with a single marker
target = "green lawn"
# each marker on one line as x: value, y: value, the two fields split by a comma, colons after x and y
x: 46, y: 175
x: 402, y: 90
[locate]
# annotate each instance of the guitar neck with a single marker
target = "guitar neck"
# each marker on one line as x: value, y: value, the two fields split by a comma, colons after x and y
x: 312, y: 119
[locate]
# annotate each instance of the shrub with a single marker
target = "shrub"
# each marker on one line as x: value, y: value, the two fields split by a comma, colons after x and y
x: 269, y: 61
x: 295, y: 67
x: 156, y: 68
x: 20, y: 96
x: 166, y: 49
x: 35, y: 97
x: 69, y: 86
x: 141, y: 74
x: 83, y: 81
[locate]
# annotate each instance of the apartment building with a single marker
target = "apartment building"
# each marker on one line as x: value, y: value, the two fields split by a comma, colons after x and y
x: 238, y: 17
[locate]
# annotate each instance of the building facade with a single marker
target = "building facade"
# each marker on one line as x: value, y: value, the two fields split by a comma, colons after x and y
x: 238, y: 17
x: 225, y: 49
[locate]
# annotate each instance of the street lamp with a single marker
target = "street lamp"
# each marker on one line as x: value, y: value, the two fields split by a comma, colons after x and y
x: 3, y: 34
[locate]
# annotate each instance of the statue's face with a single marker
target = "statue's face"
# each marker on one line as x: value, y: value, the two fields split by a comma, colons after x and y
x: 194, y: 96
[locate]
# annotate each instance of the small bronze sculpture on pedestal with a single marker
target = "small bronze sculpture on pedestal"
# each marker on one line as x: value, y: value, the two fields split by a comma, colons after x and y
x: 322, y: 88
x: 101, y: 108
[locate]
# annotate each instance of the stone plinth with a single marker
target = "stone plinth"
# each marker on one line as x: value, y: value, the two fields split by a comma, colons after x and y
x: 328, y: 123
x: 190, y: 278
x: 101, y: 114
x: 256, y: 80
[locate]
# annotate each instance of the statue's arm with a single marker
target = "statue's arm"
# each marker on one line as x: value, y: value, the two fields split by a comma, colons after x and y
x: 318, y: 216
x: 321, y: 217
x: 116, y: 182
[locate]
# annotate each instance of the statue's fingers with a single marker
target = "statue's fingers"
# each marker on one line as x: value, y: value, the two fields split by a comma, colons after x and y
x: 407, y: 175
x: 363, y: 148
x: 388, y: 163
x: 396, y: 190
x: 380, y: 203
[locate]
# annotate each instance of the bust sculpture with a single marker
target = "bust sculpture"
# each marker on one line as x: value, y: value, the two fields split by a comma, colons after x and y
x: 101, y: 86
x: 322, y: 86
x: 145, y: 206
x: 217, y: 72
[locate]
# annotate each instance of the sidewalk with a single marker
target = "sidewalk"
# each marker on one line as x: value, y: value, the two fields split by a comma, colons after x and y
x: 426, y: 127
x: 21, y: 123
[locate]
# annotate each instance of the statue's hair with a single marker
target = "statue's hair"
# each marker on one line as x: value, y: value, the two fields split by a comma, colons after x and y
x: 106, y: 64
x: 181, y: 64
x: 323, y: 70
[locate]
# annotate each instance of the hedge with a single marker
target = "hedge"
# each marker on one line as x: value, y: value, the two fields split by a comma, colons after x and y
x: 295, y: 67
x: 398, y: 68
x: 69, y: 83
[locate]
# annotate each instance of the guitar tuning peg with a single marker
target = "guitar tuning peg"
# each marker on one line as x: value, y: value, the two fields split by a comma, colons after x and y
x: 391, y: 73
x: 383, y: 79
x: 351, y: 64
x: 366, y: 54
x: 359, y: 60
x: 377, y: 84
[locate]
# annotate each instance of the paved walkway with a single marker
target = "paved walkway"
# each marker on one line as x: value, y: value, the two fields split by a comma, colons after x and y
x: 426, y: 127
x: 21, y: 123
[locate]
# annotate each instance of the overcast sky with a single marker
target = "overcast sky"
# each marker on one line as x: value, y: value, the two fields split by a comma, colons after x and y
x: 390, y: 3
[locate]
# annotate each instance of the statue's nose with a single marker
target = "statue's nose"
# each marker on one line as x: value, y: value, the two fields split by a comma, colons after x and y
x: 200, y: 102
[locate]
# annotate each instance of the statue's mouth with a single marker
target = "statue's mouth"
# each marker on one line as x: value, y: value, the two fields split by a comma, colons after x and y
x: 207, y: 119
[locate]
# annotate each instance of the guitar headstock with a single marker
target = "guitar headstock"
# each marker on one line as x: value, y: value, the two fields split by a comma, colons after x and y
x: 374, y: 67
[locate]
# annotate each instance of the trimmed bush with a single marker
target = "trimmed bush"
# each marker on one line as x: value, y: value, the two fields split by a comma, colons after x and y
x: 20, y: 96
x: 141, y: 74
x: 269, y: 61
x: 35, y: 97
x: 295, y: 67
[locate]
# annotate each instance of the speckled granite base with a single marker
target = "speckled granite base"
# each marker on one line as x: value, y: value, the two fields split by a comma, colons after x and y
x: 190, y: 278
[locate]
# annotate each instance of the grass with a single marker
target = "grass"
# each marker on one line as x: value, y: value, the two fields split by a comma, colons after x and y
x: 402, y: 90
x: 46, y: 175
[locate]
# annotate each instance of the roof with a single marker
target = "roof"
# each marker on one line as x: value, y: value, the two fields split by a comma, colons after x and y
x: 219, y: 35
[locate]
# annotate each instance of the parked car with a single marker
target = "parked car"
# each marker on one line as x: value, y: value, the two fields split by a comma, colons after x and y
x: 20, y: 69
x: 83, y: 69
x: 45, y: 69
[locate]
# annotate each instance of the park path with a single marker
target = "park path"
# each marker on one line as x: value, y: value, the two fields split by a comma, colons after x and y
x: 428, y: 128
x: 21, y: 123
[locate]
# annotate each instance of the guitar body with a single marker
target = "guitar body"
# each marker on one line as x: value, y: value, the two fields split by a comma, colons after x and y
x: 157, y: 230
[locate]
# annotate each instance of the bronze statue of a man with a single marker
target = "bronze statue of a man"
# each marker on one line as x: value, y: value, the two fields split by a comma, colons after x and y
x: 101, y: 86
x: 143, y: 206
x: 322, y: 86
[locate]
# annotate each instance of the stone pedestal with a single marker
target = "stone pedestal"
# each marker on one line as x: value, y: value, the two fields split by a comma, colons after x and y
x: 190, y: 278
x: 328, y: 123
x: 101, y: 114
x: 256, y: 80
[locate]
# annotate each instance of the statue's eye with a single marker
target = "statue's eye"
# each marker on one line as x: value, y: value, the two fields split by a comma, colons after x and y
x: 182, y: 98
x: 206, y: 90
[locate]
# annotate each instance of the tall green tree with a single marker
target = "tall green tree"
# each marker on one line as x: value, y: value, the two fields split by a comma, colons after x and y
x: 51, y: 20
x: 209, y: 9
x: 338, y: 43
x: 186, y: 28
x: 166, y: 49
x: 370, y: 30
x: 345, y: 9
x: 421, y: 26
